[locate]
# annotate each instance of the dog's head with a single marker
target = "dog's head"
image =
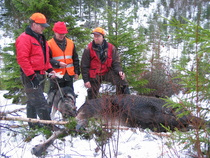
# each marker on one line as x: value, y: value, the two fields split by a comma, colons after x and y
x: 67, y: 105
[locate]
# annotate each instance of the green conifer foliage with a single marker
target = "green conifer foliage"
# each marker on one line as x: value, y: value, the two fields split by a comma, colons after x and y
x: 194, y: 68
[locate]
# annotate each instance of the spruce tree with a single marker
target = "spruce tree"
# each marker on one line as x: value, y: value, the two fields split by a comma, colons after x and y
x: 194, y: 68
x: 128, y: 40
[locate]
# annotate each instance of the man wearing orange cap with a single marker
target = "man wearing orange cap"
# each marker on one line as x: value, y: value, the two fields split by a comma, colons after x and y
x: 64, y: 58
x: 33, y: 57
x: 101, y: 62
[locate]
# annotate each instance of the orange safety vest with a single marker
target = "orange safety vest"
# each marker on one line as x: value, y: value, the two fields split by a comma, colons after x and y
x: 63, y: 56
x: 96, y: 67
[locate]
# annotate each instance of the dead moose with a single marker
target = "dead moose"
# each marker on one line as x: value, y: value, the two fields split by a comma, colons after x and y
x: 128, y: 110
x: 135, y: 111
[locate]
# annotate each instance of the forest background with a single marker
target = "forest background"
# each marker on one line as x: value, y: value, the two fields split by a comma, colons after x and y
x: 164, y: 44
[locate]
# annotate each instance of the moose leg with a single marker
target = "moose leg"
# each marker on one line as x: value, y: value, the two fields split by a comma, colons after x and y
x: 52, y: 114
x: 39, y: 149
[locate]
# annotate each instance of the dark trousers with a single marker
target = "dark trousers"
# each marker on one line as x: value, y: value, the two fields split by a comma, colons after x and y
x: 36, y: 103
x: 111, y: 76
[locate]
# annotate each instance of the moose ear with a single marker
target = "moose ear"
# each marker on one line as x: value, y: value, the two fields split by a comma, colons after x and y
x: 69, y: 95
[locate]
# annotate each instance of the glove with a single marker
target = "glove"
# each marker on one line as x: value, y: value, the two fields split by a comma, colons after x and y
x: 52, y: 75
x: 34, y: 81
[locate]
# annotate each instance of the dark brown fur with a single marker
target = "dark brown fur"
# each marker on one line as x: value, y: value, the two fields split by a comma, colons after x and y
x: 134, y: 111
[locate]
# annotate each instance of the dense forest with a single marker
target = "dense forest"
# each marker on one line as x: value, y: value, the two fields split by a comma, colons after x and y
x: 164, y: 44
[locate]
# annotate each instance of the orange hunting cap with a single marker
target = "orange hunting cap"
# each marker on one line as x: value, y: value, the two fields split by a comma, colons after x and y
x: 98, y: 30
x: 39, y: 18
x: 60, y: 27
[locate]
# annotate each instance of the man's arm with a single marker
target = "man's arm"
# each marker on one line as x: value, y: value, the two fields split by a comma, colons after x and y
x: 76, y: 61
x: 23, y: 47
x: 116, y: 63
x: 53, y: 62
x: 85, y: 65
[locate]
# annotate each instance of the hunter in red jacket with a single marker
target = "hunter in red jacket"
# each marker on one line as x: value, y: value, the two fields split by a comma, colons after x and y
x: 33, y: 57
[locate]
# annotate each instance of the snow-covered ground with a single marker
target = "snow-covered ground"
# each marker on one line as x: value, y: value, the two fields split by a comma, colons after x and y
x: 129, y: 143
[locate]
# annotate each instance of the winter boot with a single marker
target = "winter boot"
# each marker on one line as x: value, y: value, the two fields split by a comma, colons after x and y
x: 31, y: 113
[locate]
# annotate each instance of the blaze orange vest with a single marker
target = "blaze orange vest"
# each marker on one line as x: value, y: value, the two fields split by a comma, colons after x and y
x: 63, y: 56
x: 96, y: 67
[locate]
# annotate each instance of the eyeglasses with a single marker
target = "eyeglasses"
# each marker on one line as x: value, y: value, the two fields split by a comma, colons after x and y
x: 39, y: 24
x: 98, y: 36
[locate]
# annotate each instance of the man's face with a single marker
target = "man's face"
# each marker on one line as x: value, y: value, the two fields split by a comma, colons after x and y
x: 37, y: 28
x: 98, y: 38
x: 59, y: 37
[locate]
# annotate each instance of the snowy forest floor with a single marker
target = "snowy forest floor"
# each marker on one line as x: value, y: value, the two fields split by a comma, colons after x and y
x: 129, y: 143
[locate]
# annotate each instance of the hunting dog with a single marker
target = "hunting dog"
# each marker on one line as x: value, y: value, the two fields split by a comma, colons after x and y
x: 64, y: 101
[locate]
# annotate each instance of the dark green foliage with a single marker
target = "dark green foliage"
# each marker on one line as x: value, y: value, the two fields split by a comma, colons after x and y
x: 11, y: 76
x: 29, y: 134
x: 71, y: 126
x: 95, y: 130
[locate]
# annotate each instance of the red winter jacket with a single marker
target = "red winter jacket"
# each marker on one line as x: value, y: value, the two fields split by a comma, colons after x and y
x: 30, y: 55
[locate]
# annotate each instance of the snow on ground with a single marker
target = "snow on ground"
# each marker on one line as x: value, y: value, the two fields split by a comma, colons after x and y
x: 130, y: 143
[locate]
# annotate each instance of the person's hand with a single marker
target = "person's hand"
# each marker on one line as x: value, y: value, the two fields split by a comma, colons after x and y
x: 62, y: 64
x: 76, y: 76
x: 88, y: 85
x: 52, y: 75
x: 34, y: 81
x: 122, y: 75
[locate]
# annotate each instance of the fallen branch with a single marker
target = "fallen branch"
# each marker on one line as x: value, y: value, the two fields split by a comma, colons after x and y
x: 116, y: 127
x: 16, y: 118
